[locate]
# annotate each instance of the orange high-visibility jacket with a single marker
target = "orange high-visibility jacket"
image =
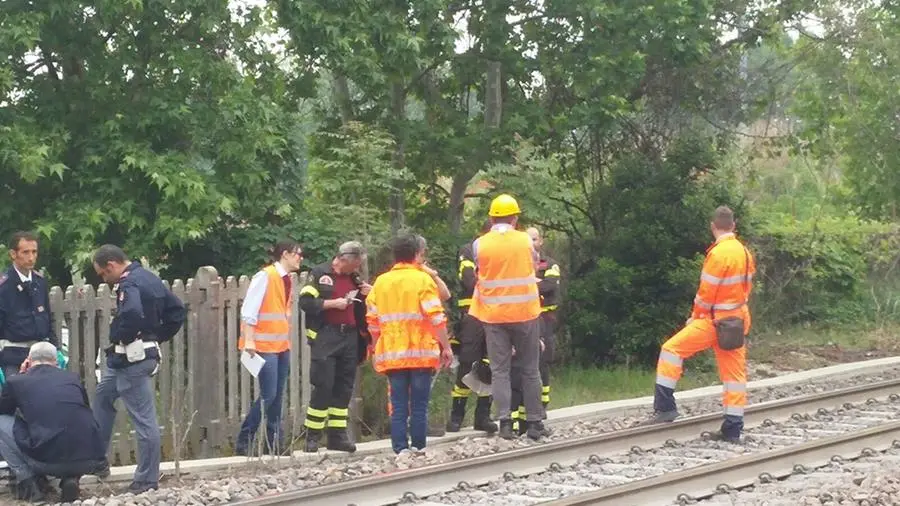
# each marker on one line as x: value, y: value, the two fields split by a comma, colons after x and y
x: 506, y: 291
x: 725, y: 282
x: 404, y: 315
x: 273, y: 323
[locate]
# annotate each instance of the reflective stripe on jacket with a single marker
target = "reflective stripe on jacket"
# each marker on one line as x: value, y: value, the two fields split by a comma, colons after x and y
x: 725, y: 282
x: 272, y: 330
x: 404, y: 315
x: 506, y: 291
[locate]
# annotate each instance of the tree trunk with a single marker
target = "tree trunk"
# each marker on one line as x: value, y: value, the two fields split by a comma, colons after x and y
x: 342, y: 97
x: 398, y: 113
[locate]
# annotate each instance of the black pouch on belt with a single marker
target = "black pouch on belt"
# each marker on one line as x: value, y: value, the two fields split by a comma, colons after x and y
x: 729, y: 333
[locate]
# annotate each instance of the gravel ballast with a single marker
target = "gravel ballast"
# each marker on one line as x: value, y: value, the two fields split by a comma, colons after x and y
x: 259, y: 477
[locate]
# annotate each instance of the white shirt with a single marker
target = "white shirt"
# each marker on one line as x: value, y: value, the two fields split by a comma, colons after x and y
x: 255, y: 294
x: 23, y: 277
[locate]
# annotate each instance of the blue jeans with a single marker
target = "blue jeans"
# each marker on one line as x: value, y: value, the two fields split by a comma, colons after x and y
x: 272, y: 378
x: 410, y: 390
x: 134, y: 385
x: 22, y: 465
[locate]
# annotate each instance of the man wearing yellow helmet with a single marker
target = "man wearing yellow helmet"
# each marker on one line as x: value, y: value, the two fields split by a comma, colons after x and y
x: 507, y: 302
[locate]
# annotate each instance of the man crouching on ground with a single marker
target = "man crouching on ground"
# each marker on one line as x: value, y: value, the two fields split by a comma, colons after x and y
x: 407, y: 323
x: 47, y: 428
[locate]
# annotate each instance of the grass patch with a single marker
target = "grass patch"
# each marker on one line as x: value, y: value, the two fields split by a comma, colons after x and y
x: 807, y: 346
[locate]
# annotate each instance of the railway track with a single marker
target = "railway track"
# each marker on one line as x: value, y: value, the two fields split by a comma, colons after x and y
x: 565, y: 468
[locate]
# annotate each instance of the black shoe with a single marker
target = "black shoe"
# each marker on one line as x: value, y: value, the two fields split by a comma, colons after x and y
x: 102, y: 470
x: 312, y: 440
x: 69, y: 490
x: 661, y: 417
x: 43, y: 484
x: 137, y: 488
x: 720, y: 436
x: 483, y: 416
x: 536, y: 430
x: 506, y: 431
x: 28, y: 490
x: 339, y: 441
x: 457, y: 413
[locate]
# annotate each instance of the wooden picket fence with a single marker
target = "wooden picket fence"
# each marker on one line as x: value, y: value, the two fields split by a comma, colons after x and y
x: 203, y: 392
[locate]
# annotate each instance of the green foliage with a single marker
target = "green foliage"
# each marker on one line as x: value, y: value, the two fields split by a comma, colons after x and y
x: 638, y: 287
x: 136, y: 126
x: 848, y: 102
x: 819, y: 270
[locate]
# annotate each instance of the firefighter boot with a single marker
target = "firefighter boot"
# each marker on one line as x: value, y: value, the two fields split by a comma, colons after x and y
x: 536, y: 430
x: 312, y: 440
x: 506, y: 431
x: 457, y: 413
x: 339, y: 441
x: 483, y: 416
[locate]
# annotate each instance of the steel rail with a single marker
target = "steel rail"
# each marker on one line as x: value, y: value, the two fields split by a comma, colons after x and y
x: 389, y: 488
x: 704, y: 481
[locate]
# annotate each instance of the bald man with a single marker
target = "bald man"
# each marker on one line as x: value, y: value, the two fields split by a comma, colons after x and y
x: 548, y: 273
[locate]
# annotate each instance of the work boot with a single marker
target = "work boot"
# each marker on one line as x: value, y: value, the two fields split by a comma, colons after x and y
x: 661, y: 417
x: 506, y: 431
x: 457, y: 413
x: 28, y: 490
x: 312, y: 440
x: 339, y: 441
x: 69, y: 490
x: 43, y: 484
x: 536, y: 430
x: 483, y: 416
x: 721, y: 436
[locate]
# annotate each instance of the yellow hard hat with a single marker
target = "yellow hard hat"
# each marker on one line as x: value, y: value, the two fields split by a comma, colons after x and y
x: 504, y: 205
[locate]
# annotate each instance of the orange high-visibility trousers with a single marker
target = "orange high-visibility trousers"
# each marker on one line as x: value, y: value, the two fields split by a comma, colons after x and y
x: 697, y: 336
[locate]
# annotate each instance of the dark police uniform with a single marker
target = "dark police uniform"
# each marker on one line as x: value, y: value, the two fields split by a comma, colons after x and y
x: 336, y: 351
x: 548, y: 274
x: 25, y: 317
x: 472, y: 348
x: 147, y: 311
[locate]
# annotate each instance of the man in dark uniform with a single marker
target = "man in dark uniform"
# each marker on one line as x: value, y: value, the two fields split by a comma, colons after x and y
x: 472, y: 348
x: 25, y: 317
x: 548, y: 274
x: 47, y: 428
x: 334, y: 303
x: 147, y: 313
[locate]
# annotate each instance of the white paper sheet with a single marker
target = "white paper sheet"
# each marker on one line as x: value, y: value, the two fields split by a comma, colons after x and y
x: 252, y: 364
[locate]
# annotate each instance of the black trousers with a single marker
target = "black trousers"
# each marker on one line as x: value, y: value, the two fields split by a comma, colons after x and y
x: 472, y: 348
x: 334, y: 357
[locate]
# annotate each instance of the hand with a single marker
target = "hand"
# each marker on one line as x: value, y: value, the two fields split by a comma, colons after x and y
x: 25, y: 366
x: 542, y: 345
x: 427, y: 268
x: 514, y: 351
x: 688, y: 322
x: 365, y: 288
x: 250, y: 347
x: 340, y: 304
x: 446, y: 357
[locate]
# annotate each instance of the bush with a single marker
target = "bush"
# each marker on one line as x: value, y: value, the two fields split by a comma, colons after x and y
x: 823, y: 270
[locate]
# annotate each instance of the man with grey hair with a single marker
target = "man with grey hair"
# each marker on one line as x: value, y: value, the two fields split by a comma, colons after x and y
x: 47, y: 428
x: 334, y: 303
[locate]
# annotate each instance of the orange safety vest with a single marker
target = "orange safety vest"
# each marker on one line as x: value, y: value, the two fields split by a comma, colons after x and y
x: 725, y: 282
x: 404, y: 314
x: 273, y: 323
x: 506, y: 290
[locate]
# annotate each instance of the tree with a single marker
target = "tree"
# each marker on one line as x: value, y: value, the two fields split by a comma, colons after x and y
x: 148, y: 124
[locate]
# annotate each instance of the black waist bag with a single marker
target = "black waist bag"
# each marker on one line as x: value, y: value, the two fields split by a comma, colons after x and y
x: 729, y: 333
